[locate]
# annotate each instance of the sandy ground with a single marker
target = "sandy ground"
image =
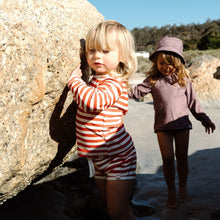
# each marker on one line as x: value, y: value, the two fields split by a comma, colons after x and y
x: 204, y: 166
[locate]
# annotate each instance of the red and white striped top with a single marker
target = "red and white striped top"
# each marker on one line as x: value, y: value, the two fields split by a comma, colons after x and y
x: 99, y: 119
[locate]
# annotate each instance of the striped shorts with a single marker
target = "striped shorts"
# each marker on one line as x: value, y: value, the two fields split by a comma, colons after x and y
x: 121, y: 166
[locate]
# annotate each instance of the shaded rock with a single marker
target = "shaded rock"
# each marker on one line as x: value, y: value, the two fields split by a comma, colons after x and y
x: 39, y: 47
x: 217, y: 73
x: 62, y: 198
x: 207, y: 87
x: 215, y: 214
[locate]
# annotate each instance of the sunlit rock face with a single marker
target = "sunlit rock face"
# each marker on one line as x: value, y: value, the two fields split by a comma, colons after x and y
x: 207, y: 86
x: 39, y: 46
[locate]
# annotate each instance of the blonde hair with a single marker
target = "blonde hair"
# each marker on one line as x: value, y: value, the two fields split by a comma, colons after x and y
x: 170, y: 59
x: 107, y: 33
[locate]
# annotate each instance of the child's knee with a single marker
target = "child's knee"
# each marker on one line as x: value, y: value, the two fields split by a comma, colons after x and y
x: 168, y: 162
x: 182, y: 160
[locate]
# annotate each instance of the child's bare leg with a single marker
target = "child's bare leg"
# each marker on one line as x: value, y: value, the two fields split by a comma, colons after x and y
x: 182, y: 142
x: 183, y: 194
x: 165, y: 140
x: 118, y: 195
x: 101, y: 185
x: 171, y: 199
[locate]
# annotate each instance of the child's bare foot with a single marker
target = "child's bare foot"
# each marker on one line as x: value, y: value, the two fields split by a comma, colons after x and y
x: 171, y: 199
x: 183, y: 195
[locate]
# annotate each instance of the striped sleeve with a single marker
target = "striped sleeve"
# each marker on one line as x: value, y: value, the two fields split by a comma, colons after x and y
x: 95, y: 99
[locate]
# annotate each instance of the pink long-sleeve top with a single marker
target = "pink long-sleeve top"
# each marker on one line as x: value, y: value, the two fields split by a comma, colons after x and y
x: 99, y: 119
x: 171, y: 103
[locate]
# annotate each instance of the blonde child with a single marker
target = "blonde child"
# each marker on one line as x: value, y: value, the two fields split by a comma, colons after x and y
x: 173, y: 95
x: 101, y: 135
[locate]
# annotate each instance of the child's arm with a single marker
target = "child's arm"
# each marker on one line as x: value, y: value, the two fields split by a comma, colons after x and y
x: 209, y: 126
x: 94, y: 99
x: 77, y: 71
x: 141, y: 89
x: 196, y: 109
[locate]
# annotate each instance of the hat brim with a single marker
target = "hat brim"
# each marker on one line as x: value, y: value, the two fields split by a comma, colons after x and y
x: 172, y: 51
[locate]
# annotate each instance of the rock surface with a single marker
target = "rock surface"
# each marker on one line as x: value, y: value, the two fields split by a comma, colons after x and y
x: 207, y: 86
x: 40, y: 44
x: 217, y: 73
x: 204, y: 74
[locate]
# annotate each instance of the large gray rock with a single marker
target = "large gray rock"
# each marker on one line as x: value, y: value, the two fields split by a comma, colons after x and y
x: 39, y: 46
x: 207, y: 87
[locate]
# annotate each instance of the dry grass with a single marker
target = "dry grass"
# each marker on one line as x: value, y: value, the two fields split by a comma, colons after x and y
x: 191, y: 55
x: 144, y: 64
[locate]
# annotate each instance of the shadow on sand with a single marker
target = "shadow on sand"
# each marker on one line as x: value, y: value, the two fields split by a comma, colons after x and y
x: 67, y: 196
x: 203, y: 187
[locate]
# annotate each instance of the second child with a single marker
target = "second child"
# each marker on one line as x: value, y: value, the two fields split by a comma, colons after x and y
x: 173, y: 96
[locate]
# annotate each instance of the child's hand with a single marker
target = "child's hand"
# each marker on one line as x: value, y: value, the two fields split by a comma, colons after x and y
x: 210, y: 127
x: 77, y: 71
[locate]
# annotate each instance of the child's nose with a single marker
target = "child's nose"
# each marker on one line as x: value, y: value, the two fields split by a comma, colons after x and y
x: 167, y: 66
x: 97, y: 54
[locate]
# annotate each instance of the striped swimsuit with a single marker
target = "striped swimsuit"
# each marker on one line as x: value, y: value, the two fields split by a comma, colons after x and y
x: 100, y: 132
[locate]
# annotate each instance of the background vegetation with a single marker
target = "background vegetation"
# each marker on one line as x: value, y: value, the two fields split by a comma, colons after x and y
x: 198, y: 40
x: 194, y: 36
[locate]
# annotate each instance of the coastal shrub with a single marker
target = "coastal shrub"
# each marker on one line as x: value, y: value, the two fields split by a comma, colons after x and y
x: 210, y: 41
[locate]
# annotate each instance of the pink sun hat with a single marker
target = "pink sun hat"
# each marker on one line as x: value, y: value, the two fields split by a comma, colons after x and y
x: 170, y: 44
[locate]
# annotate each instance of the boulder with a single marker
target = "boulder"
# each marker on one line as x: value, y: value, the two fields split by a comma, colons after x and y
x: 207, y: 86
x: 217, y: 73
x: 40, y: 44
